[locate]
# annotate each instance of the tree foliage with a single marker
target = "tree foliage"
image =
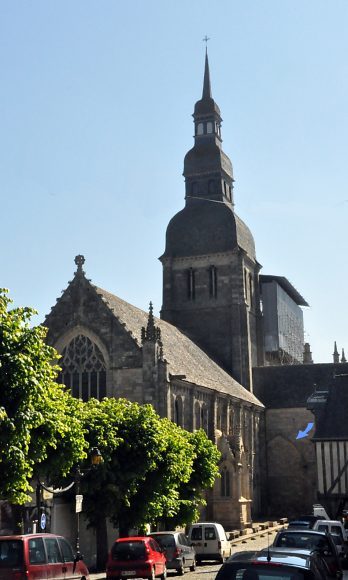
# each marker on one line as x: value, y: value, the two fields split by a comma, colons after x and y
x: 40, y: 425
x: 152, y: 468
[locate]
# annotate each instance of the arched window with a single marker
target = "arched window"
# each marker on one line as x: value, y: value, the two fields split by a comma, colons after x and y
x: 200, y: 129
x: 178, y: 411
x: 225, y: 483
x: 251, y: 289
x: 197, y: 415
x: 191, y: 290
x: 204, y: 418
x: 209, y: 127
x: 83, y: 369
x: 213, y: 282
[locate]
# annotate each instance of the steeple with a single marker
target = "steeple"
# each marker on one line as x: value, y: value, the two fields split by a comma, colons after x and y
x: 206, y: 94
x: 336, y: 356
x: 207, y: 169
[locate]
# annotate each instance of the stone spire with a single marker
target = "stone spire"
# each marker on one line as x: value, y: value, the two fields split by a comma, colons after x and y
x: 206, y: 94
x: 307, y: 354
x: 336, y: 356
x: 343, y: 357
x: 208, y: 171
x: 151, y: 332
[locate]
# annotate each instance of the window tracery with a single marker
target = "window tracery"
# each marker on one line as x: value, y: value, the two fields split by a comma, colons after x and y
x: 83, y: 368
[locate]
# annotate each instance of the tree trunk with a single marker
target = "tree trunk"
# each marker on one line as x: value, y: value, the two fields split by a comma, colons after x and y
x: 102, y: 544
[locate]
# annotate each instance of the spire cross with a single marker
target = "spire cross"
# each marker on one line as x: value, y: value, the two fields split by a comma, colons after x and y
x: 205, y: 39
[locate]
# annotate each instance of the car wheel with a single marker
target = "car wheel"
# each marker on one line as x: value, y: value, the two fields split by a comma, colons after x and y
x: 153, y: 574
x: 193, y: 566
x: 181, y: 570
x: 164, y: 574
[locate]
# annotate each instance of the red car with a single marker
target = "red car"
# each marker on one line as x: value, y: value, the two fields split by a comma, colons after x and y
x: 39, y: 556
x: 136, y: 557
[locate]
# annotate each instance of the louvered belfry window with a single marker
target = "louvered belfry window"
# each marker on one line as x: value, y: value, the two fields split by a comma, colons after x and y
x: 83, y: 368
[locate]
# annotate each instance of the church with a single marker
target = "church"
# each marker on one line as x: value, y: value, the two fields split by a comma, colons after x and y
x: 226, y: 355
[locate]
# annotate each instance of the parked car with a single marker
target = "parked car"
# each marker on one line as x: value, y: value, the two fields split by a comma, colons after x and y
x: 335, y: 528
x: 177, y: 549
x: 306, y: 521
x: 33, y: 556
x: 136, y: 557
x: 271, y: 565
x: 311, y: 540
x: 209, y: 541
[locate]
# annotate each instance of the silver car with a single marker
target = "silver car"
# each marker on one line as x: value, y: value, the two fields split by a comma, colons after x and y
x: 178, y: 551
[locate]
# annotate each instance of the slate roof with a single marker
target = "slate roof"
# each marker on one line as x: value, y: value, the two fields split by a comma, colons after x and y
x: 284, y: 386
x: 206, y: 228
x: 184, y: 356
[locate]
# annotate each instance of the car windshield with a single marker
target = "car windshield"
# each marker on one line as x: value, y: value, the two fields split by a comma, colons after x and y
x: 11, y: 553
x: 259, y: 572
x: 128, y: 551
x: 301, y: 540
x: 164, y: 540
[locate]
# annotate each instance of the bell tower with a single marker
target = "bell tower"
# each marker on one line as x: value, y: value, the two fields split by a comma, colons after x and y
x: 210, y: 271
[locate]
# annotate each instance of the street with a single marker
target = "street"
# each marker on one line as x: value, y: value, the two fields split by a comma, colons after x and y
x: 208, y: 571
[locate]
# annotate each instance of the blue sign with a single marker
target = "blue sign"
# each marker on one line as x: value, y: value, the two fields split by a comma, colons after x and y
x: 43, y: 521
x: 304, y: 433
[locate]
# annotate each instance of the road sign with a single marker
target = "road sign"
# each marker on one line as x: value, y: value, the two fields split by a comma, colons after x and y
x: 78, y: 505
x: 43, y: 521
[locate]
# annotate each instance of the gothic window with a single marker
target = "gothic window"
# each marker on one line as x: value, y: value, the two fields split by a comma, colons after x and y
x: 200, y: 129
x: 209, y: 127
x: 197, y: 415
x: 225, y: 483
x: 191, y: 291
x: 246, y: 293
x: 251, y: 289
x: 204, y: 418
x: 231, y: 422
x: 213, y: 282
x: 178, y: 411
x: 83, y: 369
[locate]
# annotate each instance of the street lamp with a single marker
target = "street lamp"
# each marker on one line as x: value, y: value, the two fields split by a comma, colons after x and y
x: 96, y: 459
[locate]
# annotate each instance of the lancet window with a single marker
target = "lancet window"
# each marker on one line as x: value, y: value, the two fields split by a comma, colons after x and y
x: 83, y: 368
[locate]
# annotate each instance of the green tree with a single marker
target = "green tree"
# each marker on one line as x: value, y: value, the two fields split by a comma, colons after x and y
x: 148, y: 461
x: 40, y: 426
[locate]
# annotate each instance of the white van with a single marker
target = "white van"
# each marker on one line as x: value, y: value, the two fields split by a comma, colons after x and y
x: 337, y: 531
x: 209, y: 541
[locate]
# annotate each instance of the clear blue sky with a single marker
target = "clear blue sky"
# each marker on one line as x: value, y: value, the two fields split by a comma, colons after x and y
x: 96, y: 100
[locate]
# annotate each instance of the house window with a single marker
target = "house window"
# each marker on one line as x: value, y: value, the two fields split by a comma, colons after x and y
x: 191, y: 284
x: 83, y: 369
x: 225, y: 483
x: 213, y: 282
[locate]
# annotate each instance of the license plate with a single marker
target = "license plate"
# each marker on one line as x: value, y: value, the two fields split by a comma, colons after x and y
x: 128, y: 573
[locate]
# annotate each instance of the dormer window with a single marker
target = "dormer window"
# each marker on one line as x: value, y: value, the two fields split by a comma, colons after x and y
x: 209, y: 127
x: 200, y: 129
